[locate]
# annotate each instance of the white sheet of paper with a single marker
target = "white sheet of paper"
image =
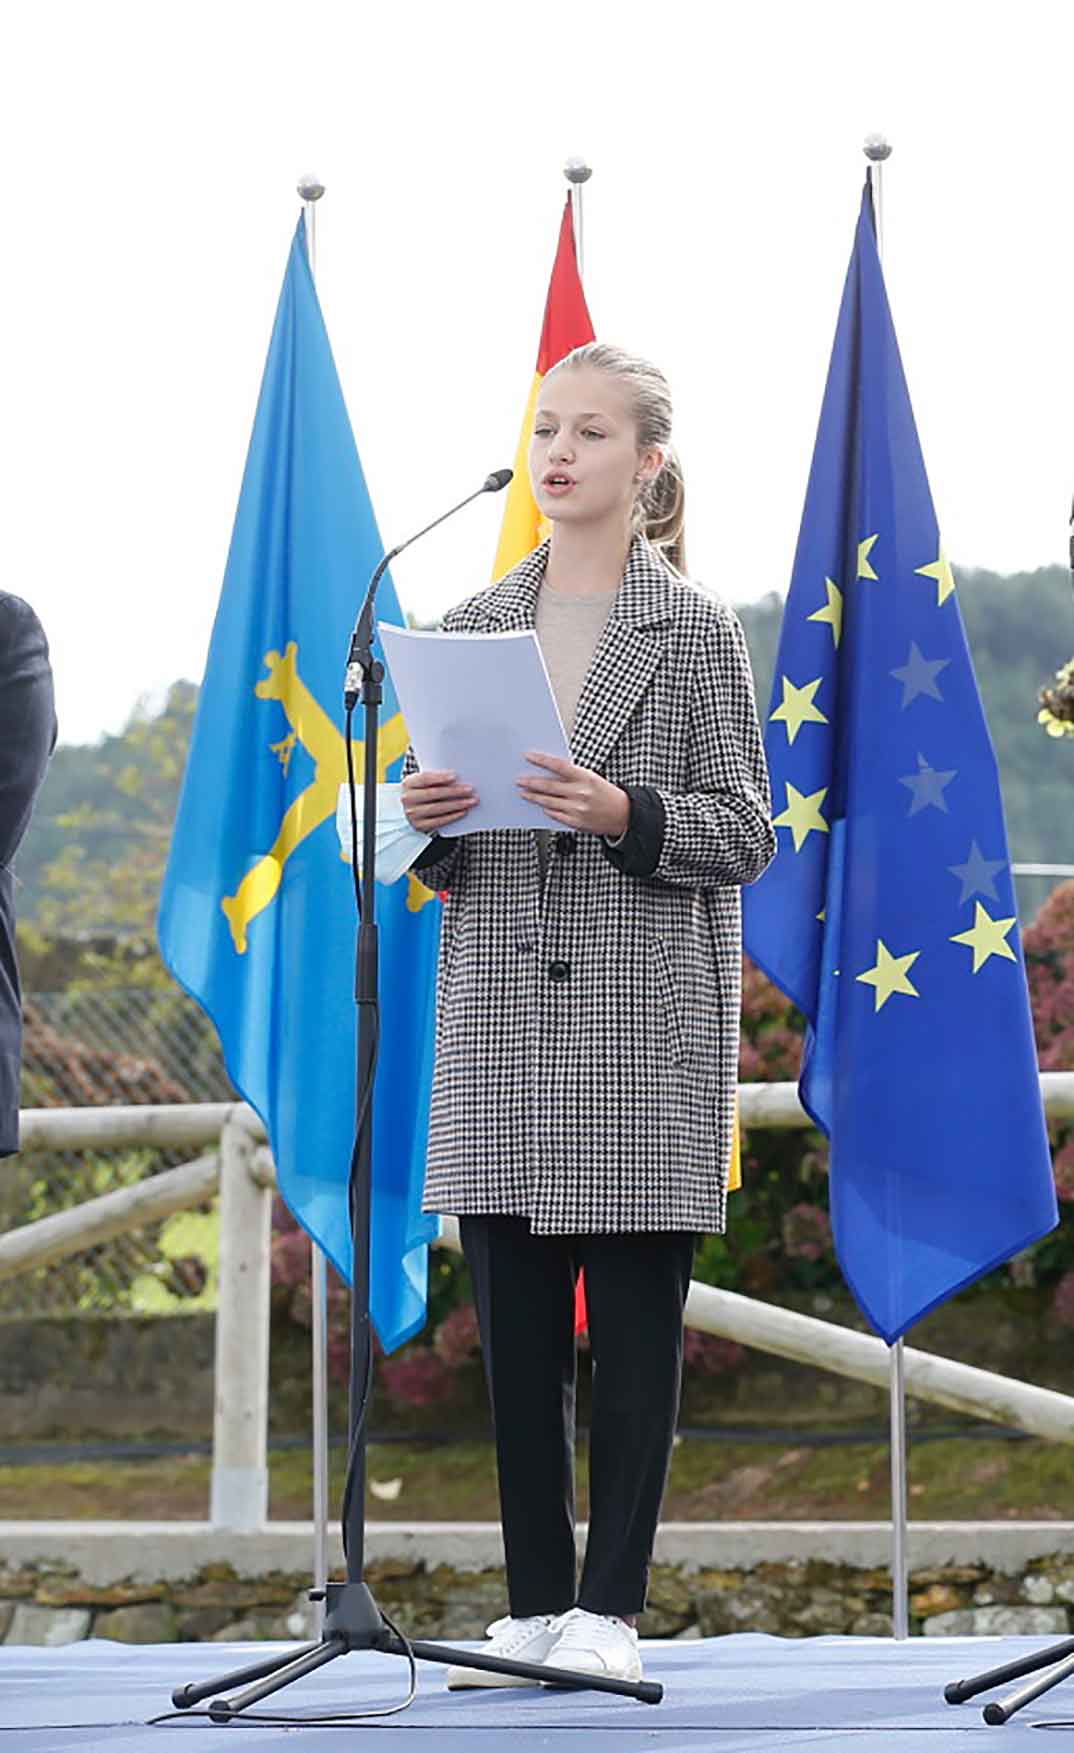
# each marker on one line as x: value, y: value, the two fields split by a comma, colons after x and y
x: 473, y: 704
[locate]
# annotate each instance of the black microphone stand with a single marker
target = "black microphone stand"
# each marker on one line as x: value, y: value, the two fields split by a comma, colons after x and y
x: 353, y: 1621
x: 1058, y: 1661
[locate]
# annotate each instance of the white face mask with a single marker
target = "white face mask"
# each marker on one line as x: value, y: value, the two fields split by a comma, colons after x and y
x: 397, y: 843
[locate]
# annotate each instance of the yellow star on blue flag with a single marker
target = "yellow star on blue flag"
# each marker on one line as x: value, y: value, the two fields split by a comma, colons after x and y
x: 920, y: 1062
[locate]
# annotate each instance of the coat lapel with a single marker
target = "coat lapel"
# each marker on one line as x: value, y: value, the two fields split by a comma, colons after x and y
x: 511, y: 606
x: 628, y: 652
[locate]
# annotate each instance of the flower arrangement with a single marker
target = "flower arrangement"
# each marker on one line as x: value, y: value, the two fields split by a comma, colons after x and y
x: 1057, y: 704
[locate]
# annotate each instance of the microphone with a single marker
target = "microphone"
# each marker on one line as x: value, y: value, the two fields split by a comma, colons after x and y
x: 362, y: 637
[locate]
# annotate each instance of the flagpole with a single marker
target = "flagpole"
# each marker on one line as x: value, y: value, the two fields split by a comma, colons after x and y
x: 877, y: 151
x: 578, y: 173
x: 311, y: 189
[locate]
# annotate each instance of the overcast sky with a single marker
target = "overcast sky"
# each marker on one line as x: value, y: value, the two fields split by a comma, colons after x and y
x: 152, y: 153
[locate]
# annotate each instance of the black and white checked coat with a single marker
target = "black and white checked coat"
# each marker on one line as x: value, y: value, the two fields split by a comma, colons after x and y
x: 587, y: 1035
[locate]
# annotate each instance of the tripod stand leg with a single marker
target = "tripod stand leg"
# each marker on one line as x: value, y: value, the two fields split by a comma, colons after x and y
x: 645, y: 1691
x: 223, y: 1709
x: 960, y: 1690
x: 1003, y: 1709
x: 186, y: 1697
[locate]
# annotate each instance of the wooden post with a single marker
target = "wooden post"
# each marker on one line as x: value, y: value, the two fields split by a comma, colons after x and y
x: 239, y: 1496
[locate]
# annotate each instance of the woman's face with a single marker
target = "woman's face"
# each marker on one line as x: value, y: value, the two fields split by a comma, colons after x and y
x: 584, y: 458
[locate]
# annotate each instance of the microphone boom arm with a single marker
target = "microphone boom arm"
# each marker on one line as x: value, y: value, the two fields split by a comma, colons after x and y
x: 361, y: 646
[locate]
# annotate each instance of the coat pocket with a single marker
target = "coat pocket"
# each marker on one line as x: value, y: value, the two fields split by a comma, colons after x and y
x: 667, y: 992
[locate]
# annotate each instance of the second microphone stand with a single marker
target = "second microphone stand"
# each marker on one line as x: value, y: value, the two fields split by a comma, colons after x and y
x: 352, y: 1620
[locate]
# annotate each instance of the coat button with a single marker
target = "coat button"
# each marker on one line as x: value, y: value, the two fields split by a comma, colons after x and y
x: 566, y: 845
x: 559, y: 970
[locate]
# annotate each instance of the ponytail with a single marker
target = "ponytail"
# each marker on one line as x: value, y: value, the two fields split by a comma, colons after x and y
x: 659, y: 513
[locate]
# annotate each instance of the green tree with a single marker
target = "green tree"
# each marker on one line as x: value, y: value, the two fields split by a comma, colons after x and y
x: 96, y: 855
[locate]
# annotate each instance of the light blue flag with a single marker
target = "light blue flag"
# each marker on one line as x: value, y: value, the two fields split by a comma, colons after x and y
x: 888, y: 915
x: 257, y: 915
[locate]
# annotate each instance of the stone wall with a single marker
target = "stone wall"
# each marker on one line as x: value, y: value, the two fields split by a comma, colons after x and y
x: 51, y: 1604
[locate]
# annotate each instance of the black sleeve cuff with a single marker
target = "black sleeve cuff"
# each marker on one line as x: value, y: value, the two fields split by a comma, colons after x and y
x: 439, y: 847
x: 638, y: 853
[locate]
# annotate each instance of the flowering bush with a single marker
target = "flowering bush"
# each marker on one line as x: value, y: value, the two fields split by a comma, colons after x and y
x: 457, y: 1339
x: 291, y: 1288
x: 425, y: 1375
x: 1063, y: 1300
x: 807, y: 1233
x: 708, y: 1355
x: 1049, y: 953
x: 1063, y: 1162
x: 417, y: 1377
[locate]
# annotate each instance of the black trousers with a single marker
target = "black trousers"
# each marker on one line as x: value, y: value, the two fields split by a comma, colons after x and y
x: 636, y: 1287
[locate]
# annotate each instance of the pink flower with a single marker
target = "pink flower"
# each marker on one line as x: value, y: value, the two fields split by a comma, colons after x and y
x: 291, y: 1259
x: 708, y: 1355
x: 1063, y: 1300
x: 1064, y: 1169
x: 417, y: 1378
x: 807, y: 1234
x: 457, y: 1339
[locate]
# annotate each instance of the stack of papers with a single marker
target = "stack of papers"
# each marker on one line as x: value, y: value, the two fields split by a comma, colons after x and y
x: 473, y: 704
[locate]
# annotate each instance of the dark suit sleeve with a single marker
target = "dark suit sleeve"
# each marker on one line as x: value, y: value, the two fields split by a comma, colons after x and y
x: 27, y: 736
x: 27, y: 719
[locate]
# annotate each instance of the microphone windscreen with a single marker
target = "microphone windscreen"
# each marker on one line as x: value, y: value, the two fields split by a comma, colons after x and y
x: 498, y: 479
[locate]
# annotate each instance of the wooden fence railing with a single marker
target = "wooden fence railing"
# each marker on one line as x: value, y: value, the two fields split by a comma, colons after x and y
x: 235, y: 1161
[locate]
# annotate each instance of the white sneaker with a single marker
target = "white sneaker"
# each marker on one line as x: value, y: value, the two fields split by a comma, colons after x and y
x: 518, y: 1640
x: 595, y: 1643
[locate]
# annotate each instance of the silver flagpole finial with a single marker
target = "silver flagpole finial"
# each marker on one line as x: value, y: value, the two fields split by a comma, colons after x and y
x: 577, y: 171
x: 311, y: 189
x: 876, y: 148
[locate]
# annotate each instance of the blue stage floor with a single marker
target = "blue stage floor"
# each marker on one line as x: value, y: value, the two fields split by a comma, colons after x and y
x: 728, y: 1693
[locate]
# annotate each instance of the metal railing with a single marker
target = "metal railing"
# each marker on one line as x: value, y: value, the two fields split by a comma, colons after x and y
x: 235, y: 1162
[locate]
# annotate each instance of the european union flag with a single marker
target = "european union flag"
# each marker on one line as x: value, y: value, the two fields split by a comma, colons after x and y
x: 257, y: 916
x: 888, y: 915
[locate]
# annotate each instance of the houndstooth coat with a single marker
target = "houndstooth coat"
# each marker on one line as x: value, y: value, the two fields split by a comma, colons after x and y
x: 587, y: 1035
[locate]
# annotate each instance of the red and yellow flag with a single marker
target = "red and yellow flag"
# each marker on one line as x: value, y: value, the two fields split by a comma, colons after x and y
x: 567, y: 325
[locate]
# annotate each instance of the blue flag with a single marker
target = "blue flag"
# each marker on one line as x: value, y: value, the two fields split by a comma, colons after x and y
x: 888, y: 915
x: 257, y: 916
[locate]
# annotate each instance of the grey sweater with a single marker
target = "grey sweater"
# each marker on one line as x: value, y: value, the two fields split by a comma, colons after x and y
x: 569, y: 625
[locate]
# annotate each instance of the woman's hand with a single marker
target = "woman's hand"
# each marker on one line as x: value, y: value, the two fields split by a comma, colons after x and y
x: 576, y: 796
x: 432, y: 800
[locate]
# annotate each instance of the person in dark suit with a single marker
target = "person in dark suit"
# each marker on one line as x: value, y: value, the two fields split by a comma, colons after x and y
x: 27, y: 738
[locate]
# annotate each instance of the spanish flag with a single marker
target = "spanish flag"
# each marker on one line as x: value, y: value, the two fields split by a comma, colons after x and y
x: 566, y: 326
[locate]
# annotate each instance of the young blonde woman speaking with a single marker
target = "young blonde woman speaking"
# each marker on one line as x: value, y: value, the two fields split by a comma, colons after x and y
x: 588, y: 1004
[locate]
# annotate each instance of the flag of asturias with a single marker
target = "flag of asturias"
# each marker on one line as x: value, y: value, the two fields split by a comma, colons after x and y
x: 257, y: 916
x: 888, y: 915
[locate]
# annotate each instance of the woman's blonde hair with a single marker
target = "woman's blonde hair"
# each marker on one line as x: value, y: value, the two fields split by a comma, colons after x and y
x: 659, y: 508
